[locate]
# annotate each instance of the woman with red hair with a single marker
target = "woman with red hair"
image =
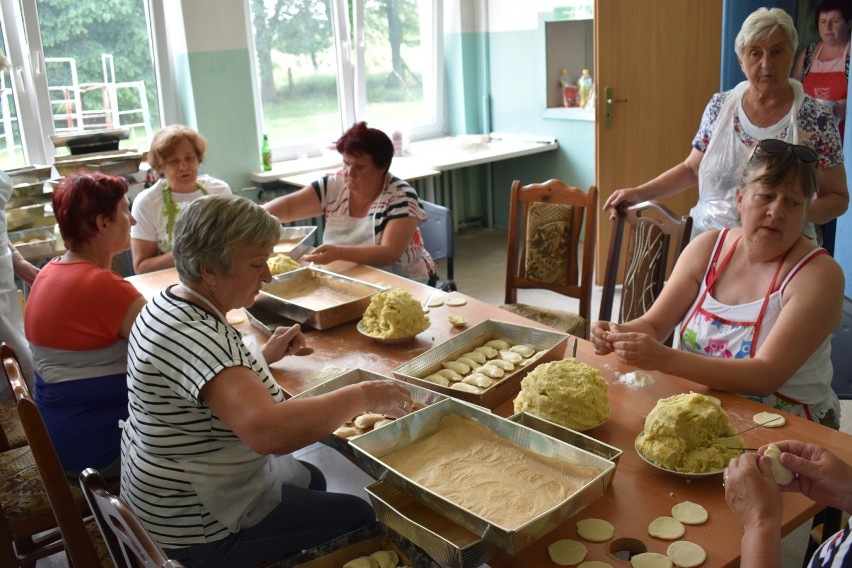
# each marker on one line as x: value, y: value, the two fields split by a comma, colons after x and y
x: 77, y: 321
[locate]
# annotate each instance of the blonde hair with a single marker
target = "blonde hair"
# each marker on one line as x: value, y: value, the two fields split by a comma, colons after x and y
x: 761, y: 24
x: 165, y: 141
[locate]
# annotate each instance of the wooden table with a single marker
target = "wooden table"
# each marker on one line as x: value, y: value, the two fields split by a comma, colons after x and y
x: 638, y: 494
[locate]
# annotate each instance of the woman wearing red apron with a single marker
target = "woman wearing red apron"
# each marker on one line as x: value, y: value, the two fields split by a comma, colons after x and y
x: 823, y: 69
x: 755, y: 306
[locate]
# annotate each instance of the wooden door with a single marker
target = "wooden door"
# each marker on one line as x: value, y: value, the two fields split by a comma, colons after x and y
x: 662, y: 59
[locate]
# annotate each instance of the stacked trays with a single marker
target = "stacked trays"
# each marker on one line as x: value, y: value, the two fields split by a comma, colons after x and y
x: 370, y: 448
x: 550, y: 346
x: 26, y: 207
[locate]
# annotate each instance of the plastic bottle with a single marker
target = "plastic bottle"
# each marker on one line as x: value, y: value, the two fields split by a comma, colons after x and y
x: 266, y: 153
x: 584, y: 85
x: 570, y: 94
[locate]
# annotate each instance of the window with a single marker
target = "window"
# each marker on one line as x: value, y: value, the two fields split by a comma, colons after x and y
x: 78, y: 66
x: 326, y: 64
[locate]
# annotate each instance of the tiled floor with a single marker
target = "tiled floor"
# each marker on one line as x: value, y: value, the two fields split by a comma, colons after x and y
x: 479, y: 271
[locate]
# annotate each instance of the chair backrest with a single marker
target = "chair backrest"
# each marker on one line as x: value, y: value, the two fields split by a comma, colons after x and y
x: 654, y: 231
x: 128, y: 542
x: 841, y: 355
x: 549, y: 241
x: 438, y: 233
x: 69, y: 517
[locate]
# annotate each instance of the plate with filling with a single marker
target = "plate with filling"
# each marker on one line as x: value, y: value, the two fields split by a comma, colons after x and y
x: 688, y: 475
x: 386, y: 340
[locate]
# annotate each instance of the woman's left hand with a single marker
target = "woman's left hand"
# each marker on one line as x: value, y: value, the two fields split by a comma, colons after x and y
x: 324, y: 254
x: 636, y: 348
x: 750, y: 489
x: 283, y: 341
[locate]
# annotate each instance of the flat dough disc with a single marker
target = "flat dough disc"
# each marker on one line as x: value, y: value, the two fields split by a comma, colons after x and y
x: 686, y: 554
x: 236, y: 318
x: 456, y: 302
x: 594, y: 564
x: 595, y: 530
x: 567, y: 552
x: 666, y: 528
x: 769, y: 419
x: 650, y: 560
x: 435, y: 302
x: 690, y: 513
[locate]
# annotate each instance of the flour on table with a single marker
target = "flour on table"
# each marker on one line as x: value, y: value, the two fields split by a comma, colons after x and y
x: 636, y: 379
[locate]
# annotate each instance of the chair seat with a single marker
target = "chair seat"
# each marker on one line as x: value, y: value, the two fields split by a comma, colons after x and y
x: 11, y: 424
x: 99, y: 543
x: 22, y: 493
x: 561, y: 320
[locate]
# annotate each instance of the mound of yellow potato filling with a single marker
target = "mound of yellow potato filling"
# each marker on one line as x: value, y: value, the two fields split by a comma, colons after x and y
x: 566, y: 392
x: 281, y: 263
x: 394, y: 314
x: 689, y: 433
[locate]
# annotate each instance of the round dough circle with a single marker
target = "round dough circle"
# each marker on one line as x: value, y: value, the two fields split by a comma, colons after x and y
x: 435, y: 302
x: 595, y: 530
x: 690, y: 513
x: 456, y: 302
x: 566, y: 552
x: 650, y: 560
x: 594, y: 564
x: 769, y: 419
x: 236, y: 318
x: 666, y: 528
x: 686, y: 554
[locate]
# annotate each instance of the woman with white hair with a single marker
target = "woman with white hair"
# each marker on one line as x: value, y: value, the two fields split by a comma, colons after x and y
x: 767, y: 105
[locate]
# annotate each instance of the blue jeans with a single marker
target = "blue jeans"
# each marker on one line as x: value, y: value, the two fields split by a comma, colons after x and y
x: 304, y: 519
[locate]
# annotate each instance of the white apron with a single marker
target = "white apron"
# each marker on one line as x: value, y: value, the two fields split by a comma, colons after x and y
x: 723, y: 163
x: 11, y: 322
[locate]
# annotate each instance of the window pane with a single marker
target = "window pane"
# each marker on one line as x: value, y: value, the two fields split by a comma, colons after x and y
x: 397, y: 59
x: 11, y: 150
x: 99, y: 68
x: 297, y: 68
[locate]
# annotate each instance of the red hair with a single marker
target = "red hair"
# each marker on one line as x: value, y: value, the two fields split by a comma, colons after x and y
x: 360, y: 140
x: 80, y: 198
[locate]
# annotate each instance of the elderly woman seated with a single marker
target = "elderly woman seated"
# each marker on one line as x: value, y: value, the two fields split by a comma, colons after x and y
x: 205, y: 452
x: 756, y: 306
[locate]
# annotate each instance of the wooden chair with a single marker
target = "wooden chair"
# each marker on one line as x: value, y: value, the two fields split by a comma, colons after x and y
x: 654, y: 230
x: 128, y: 542
x: 66, y: 499
x: 547, y: 222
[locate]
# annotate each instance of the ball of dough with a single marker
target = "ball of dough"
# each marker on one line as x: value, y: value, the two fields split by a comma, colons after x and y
x: 782, y: 475
x: 595, y: 530
x: 666, y: 528
x: 685, y: 554
x: 566, y: 552
x: 394, y: 314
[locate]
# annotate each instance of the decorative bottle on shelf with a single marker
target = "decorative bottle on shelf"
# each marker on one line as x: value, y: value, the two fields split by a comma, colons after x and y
x: 570, y: 93
x: 266, y: 153
x: 584, y: 85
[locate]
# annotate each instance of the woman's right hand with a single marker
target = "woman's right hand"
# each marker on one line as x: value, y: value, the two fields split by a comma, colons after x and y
x: 820, y: 475
x: 600, y: 337
x: 626, y: 195
x: 386, y: 397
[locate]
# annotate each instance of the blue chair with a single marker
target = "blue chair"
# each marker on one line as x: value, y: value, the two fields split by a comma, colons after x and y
x: 841, y: 354
x: 438, y: 233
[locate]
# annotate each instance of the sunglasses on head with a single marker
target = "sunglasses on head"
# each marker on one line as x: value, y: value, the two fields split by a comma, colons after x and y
x: 773, y: 146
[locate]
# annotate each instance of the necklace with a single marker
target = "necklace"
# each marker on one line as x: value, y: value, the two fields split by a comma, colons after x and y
x: 772, y: 116
x: 204, y: 300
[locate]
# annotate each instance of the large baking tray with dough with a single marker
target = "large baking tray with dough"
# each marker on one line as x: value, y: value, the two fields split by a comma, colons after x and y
x: 111, y: 162
x: 421, y: 397
x: 362, y: 542
x: 371, y: 448
x: 296, y: 241
x: 318, y: 298
x: 452, y: 545
x: 551, y: 344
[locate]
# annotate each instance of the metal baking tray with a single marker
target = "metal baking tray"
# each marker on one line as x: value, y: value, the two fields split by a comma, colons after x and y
x: 116, y: 162
x: 362, y: 542
x: 24, y: 217
x: 28, y: 189
x: 552, y: 342
x: 452, y: 545
x: 422, y: 397
x: 29, y: 174
x: 34, y: 243
x: 371, y: 447
x: 318, y: 298
x: 296, y: 241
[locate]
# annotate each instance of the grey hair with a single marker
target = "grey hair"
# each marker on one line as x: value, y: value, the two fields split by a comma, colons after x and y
x: 209, y: 230
x: 761, y: 24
